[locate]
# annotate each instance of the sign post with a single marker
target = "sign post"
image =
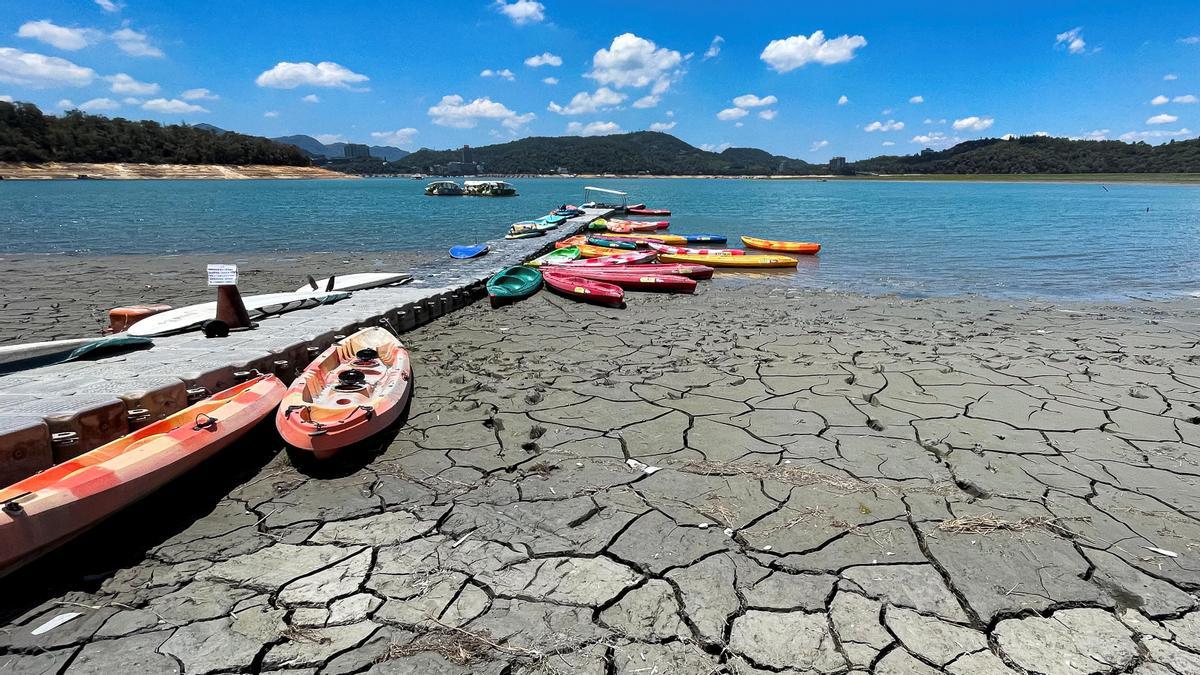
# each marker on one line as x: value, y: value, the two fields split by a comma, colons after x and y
x: 231, y: 311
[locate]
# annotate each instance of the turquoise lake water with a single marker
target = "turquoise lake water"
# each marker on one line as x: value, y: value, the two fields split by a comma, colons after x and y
x: 998, y: 239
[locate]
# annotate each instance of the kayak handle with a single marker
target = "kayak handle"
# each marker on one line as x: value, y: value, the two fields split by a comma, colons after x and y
x: 209, y: 422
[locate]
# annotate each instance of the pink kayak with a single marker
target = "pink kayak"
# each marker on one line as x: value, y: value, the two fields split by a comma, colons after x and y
x: 675, y: 269
x: 679, y: 250
x: 634, y: 280
x: 631, y: 258
x: 629, y: 226
x: 580, y: 288
x: 647, y: 212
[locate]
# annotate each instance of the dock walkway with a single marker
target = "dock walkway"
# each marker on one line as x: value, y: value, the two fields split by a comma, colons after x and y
x: 94, y: 399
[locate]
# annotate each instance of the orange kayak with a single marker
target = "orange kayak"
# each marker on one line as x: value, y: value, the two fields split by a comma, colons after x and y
x: 353, y: 390
x: 47, y: 509
x: 801, y: 247
x: 657, y: 237
x: 576, y: 240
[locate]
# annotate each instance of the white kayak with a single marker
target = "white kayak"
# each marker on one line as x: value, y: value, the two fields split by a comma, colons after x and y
x: 258, y: 306
x: 357, y: 282
x: 40, y: 353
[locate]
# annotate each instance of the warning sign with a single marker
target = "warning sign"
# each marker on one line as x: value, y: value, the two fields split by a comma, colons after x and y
x: 222, y: 275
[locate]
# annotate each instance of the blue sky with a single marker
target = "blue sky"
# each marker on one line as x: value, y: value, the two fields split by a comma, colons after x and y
x: 808, y: 80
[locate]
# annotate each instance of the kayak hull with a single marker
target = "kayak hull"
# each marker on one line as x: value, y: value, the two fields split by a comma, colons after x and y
x: 583, y: 289
x: 639, y: 281
x: 465, y: 252
x: 69, y: 498
x: 629, y: 258
x: 647, y: 212
x: 513, y: 283
x: 742, y: 261
x: 324, y: 412
x: 680, y: 250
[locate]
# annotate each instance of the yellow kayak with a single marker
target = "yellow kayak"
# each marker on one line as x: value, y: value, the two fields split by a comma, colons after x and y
x: 730, y: 260
x: 657, y: 237
x: 589, y: 251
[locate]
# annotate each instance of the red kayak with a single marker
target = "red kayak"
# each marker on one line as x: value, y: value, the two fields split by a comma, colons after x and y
x: 673, y: 269
x: 639, y: 281
x: 680, y: 250
x: 630, y: 258
x: 579, y: 288
x: 647, y: 212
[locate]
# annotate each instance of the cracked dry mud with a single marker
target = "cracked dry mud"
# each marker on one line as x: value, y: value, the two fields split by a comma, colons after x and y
x: 744, y: 481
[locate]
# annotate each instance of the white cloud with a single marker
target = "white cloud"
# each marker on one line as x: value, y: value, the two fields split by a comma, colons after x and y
x: 65, y: 104
x: 108, y: 5
x: 632, y: 61
x: 768, y: 114
x: 1170, y: 76
x: 135, y: 43
x: 172, y: 106
x: 199, y: 94
x: 6, y: 99
x: 272, y: 114
x: 69, y: 39
x: 1135, y: 136
x: 732, y: 114
x: 583, y: 102
x: 709, y: 147
x: 1163, y: 118
x: 38, y: 70
x: 99, y: 104
x: 974, y: 123
x: 1071, y: 40
x: 818, y: 145
x: 311, y: 98
x: 131, y: 100
x: 287, y: 75
x: 522, y: 12
x: 890, y: 125
x: 670, y: 113
x: 1042, y: 134
x: 792, y: 53
x: 326, y: 139
x: 505, y: 74
x: 1186, y: 98
x: 663, y: 126
x: 454, y: 111
x: 843, y: 100
x: 593, y: 128
x: 917, y: 99
x: 543, y: 59
x: 886, y: 111
x: 1190, y: 40
x: 935, y: 139
x: 124, y: 84
x: 1160, y: 100
x: 740, y: 124
x: 399, y: 137
x: 888, y: 144
x: 550, y: 80
x: 1093, y: 135
x: 714, y: 47
x: 647, y: 101
x: 752, y: 101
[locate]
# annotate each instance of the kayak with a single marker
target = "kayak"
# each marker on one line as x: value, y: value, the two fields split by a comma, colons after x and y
x: 49, y: 508
x: 551, y: 219
x: 680, y: 270
x: 731, y: 260
x: 565, y: 254
x: 463, y: 252
x: 647, y: 212
x: 590, y: 251
x: 536, y: 224
x: 663, y: 248
x: 573, y: 241
x: 525, y: 234
x: 513, y: 283
x: 621, y: 275
x: 801, y: 247
x: 355, y: 389
x: 612, y: 243
x: 567, y: 211
x: 704, y: 238
x: 658, y: 237
x: 629, y: 258
x: 629, y: 226
x: 587, y: 290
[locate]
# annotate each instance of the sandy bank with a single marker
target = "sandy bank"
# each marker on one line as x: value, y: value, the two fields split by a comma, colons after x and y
x: 122, y: 171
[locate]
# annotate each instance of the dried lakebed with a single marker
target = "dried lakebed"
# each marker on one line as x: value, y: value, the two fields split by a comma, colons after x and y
x: 747, y: 481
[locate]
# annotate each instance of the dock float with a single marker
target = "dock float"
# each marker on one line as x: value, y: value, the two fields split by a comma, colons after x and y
x: 53, y: 413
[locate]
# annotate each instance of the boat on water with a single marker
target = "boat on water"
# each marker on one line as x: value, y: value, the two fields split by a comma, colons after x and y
x: 801, y: 247
x: 489, y: 188
x: 444, y: 188
x: 746, y: 261
x: 49, y: 508
x: 603, y: 198
x: 352, y: 391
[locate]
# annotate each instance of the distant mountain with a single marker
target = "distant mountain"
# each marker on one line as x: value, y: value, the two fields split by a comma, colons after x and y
x: 647, y: 152
x: 316, y: 148
x: 204, y: 126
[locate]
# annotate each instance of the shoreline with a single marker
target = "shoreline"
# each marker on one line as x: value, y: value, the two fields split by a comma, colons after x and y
x: 22, y: 171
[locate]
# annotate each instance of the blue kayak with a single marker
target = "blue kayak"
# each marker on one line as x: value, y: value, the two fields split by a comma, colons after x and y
x: 468, y: 251
x: 704, y: 238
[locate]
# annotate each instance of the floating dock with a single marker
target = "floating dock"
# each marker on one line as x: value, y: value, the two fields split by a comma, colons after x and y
x: 52, y: 413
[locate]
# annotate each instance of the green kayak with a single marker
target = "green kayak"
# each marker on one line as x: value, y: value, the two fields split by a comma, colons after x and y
x: 598, y: 225
x: 557, y: 256
x: 514, y: 283
x: 611, y: 243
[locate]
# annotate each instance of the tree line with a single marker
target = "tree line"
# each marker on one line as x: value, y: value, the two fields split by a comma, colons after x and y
x: 28, y: 135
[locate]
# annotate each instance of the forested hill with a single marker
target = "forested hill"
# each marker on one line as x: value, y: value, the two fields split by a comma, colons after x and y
x: 26, y: 135
x: 1042, y: 154
x: 648, y: 152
